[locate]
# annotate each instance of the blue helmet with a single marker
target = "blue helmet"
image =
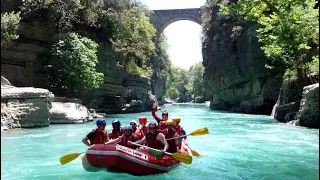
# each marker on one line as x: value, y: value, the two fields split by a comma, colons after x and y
x: 116, y: 121
x: 127, y: 128
x: 100, y: 122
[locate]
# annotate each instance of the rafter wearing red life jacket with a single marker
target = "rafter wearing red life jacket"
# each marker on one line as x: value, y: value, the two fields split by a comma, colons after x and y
x: 127, y: 136
x: 141, y: 131
x: 172, y: 143
x: 176, y: 126
x: 100, y: 138
x: 151, y: 141
x: 115, y: 134
x: 178, y: 129
x: 117, y: 130
x: 162, y: 126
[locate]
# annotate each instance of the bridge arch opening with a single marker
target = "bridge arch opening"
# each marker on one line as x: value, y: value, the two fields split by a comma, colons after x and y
x: 184, y: 40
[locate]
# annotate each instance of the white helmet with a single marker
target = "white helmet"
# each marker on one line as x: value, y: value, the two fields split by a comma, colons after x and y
x: 133, y: 121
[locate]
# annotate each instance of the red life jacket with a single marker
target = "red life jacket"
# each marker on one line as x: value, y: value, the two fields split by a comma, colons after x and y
x: 172, y: 143
x: 151, y: 141
x: 140, y: 132
x: 125, y: 139
x: 162, y: 126
x: 115, y: 134
x: 101, y: 137
x: 178, y: 129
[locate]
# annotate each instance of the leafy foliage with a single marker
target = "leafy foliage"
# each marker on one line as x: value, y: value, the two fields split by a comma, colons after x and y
x: 196, y: 80
x: 185, y: 85
x: 288, y: 32
x: 176, y: 85
x: 9, y: 26
x: 133, y: 38
x: 72, y: 66
x: 124, y: 23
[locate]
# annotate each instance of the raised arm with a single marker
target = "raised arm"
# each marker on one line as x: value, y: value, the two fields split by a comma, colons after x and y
x: 154, y: 109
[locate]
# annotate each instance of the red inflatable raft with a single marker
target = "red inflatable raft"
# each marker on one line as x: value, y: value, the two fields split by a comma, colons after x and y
x: 137, y: 162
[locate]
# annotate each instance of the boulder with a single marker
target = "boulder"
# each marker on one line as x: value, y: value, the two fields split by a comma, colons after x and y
x: 25, y: 107
x: 308, y: 115
x: 289, y: 101
x: 68, y: 113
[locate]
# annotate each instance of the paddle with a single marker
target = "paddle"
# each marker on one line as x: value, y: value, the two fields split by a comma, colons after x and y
x: 198, y: 132
x: 69, y: 157
x: 193, y: 152
x: 185, y: 158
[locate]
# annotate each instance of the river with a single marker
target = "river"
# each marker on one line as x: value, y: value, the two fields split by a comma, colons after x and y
x: 238, y: 146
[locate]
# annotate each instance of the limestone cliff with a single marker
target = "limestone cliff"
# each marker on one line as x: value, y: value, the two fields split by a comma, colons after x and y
x: 21, y: 64
x: 235, y: 76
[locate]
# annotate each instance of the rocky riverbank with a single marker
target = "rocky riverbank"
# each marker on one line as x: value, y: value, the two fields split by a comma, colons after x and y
x: 27, y: 107
x: 298, y: 107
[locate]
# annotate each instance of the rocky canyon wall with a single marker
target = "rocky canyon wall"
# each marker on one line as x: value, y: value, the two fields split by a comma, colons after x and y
x: 235, y: 75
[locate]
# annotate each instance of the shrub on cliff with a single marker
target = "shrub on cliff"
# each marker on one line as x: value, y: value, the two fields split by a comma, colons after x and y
x: 71, y: 68
x: 9, y: 26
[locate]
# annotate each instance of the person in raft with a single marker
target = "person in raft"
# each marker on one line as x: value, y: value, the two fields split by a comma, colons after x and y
x: 154, y: 139
x: 169, y: 132
x: 127, y: 136
x: 98, y: 135
x: 142, y: 128
x: 163, y: 117
x: 162, y: 126
x: 133, y: 124
x: 178, y: 127
x: 116, y: 131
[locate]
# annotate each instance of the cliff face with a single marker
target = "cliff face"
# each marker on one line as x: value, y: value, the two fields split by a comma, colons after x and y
x: 235, y: 77
x: 120, y: 92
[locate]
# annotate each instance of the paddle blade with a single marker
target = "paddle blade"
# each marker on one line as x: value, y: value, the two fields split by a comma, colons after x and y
x: 154, y: 153
x: 185, y: 158
x: 200, y: 132
x: 195, y: 153
x: 68, y: 158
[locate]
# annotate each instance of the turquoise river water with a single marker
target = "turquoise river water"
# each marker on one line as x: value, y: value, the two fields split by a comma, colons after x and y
x: 238, y: 146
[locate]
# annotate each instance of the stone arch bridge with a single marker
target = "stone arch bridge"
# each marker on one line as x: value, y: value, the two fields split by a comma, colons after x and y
x: 162, y: 18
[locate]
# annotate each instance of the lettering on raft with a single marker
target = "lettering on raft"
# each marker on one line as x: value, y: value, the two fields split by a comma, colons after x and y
x: 132, y: 152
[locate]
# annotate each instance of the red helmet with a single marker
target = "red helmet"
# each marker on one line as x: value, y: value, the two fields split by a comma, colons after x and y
x: 143, y: 120
x: 152, y: 125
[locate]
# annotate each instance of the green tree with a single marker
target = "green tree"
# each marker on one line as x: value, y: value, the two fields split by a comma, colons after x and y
x: 176, y: 85
x: 72, y: 66
x: 196, y: 80
x: 288, y: 32
x: 9, y: 27
x: 134, y: 38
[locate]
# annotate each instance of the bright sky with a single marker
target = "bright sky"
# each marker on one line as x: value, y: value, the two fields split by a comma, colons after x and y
x: 183, y: 37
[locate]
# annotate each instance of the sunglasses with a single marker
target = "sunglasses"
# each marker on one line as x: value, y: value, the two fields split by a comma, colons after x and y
x: 133, y: 124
